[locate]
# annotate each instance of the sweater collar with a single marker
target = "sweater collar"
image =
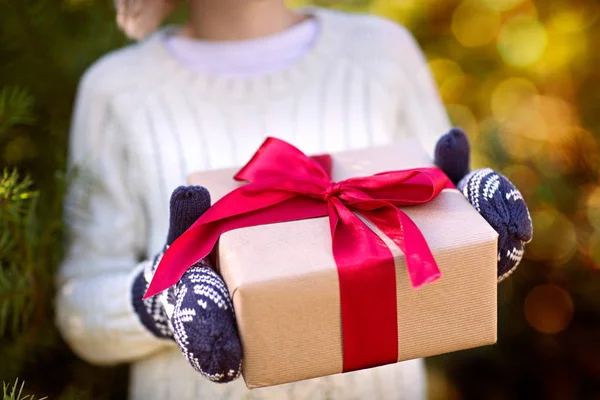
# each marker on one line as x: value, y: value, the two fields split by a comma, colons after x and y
x: 308, y: 67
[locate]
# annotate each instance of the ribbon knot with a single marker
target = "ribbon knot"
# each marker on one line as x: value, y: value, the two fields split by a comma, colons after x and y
x: 286, y: 185
x: 332, y: 190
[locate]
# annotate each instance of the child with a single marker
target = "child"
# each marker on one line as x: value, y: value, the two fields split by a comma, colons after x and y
x: 204, y: 96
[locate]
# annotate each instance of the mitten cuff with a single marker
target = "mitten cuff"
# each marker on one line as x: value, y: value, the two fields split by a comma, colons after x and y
x: 149, y: 311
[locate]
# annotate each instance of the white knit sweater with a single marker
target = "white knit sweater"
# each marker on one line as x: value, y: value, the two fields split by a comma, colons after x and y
x: 142, y: 122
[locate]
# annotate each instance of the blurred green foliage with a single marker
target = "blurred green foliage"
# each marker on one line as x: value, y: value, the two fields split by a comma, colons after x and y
x: 518, y: 75
x: 15, y: 392
x: 44, y: 48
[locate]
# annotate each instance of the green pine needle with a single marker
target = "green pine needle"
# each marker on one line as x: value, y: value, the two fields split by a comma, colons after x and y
x: 16, y: 108
x: 17, y: 283
x: 13, y: 189
x: 16, y: 392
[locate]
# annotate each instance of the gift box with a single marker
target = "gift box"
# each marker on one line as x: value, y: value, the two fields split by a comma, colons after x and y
x: 286, y: 286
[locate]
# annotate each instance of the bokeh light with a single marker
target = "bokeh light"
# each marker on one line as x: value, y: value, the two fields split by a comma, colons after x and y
x: 502, y: 5
x: 548, y: 308
x: 522, y: 41
x: 594, y: 249
x: 554, y: 238
x: 463, y: 117
x: 584, y: 147
x: 535, y: 126
x: 564, y: 50
x: 593, y: 208
x: 524, y: 178
x: 570, y: 150
x: 442, y: 68
x: 510, y: 96
x: 521, y: 147
x: 474, y: 25
x: 575, y: 19
x: 398, y: 10
x: 450, y: 79
x: 546, y: 118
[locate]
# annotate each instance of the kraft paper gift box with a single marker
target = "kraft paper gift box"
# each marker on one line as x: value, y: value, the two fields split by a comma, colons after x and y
x: 285, y: 289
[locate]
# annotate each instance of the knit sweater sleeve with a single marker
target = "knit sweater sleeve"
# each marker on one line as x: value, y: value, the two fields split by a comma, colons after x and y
x: 421, y: 111
x: 106, y: 238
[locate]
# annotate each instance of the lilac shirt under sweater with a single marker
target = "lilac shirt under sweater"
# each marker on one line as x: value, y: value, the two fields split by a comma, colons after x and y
x: 248, y: 57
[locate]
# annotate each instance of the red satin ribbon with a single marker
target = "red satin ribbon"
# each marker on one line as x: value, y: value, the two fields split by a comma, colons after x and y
x: 286, y: 185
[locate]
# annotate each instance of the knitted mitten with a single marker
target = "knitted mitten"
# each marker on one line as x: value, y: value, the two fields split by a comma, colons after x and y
x: 492, y: 195
x: 197, y: 312
x: 203, y: 321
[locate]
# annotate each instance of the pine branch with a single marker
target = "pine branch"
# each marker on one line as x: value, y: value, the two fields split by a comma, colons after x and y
x: 16, y: 392
x: 47, y: 48
x: 15, y: 291
x: 16, y: 108
x: 17, y: 283
x: 13, y: 191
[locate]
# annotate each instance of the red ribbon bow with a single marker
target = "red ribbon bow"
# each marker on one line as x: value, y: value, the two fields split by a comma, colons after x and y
x: 286, y: 185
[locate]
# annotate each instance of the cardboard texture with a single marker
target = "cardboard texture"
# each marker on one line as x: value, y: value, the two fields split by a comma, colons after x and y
x: 284, y: 283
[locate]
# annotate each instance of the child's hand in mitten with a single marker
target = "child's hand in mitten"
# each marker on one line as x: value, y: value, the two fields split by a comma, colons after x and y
x: 492, y: 195
x: 197, y: 312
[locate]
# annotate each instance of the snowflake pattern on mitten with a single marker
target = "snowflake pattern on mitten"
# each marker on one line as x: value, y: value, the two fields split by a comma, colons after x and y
x: 202, y: 317
x: 197, y: 312
x: 503, y: 207
x: 150, y: 310
x: 495, y: 198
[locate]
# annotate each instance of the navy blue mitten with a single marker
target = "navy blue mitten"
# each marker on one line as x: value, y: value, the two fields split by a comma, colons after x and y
x: 497, y: 200
x: 197, y: 312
